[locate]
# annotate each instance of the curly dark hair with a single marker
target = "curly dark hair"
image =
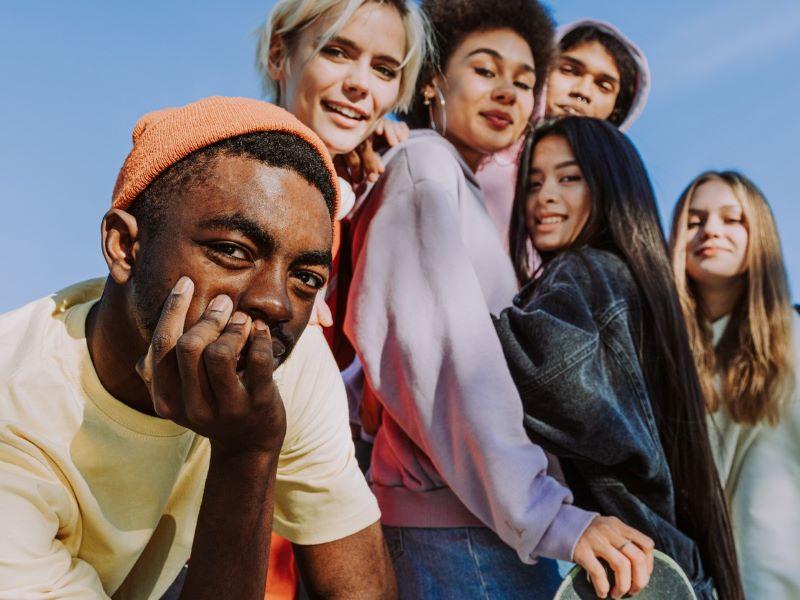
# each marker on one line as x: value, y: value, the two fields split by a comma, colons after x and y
x: 452, y: 20
x: 626, y: 65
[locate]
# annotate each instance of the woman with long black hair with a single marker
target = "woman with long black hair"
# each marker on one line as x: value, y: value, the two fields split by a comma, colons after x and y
x: 598, y: 349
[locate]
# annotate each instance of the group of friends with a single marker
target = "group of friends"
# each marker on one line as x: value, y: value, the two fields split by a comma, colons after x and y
x: 441, y: 357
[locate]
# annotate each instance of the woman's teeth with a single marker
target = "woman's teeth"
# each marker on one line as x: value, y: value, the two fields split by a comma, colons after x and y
x: 551, y: 220
x: 342, y: 110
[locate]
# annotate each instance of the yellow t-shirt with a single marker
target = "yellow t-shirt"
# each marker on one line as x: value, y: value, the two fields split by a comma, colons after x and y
x: 99, y: 500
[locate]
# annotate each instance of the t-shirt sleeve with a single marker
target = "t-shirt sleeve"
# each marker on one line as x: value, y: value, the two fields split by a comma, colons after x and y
x: 35, y: 507
x: 321, y: 495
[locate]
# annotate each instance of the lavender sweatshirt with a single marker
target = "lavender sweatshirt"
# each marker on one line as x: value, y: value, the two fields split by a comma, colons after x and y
x: 452, y: 450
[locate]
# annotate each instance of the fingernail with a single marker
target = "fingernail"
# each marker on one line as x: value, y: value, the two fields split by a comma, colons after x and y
x: 260, y: 325
x: 182, y: 286
x: 239, y: 318
x: 220, y: 303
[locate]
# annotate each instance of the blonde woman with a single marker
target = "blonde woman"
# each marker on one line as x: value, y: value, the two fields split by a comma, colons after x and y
x: 734, y: 292
x: 340, y: 66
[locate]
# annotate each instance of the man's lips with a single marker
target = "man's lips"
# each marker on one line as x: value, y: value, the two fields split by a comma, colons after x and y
x: 498, y: 119
x: 569, y: 109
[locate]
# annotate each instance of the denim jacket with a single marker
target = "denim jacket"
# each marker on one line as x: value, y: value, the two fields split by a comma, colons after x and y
x: 572, y: 344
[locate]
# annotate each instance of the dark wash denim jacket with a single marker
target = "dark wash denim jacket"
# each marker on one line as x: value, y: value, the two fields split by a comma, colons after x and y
x: 571, y: 343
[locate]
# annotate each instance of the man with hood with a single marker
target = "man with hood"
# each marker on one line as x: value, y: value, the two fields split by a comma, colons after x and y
x: 598, y: 73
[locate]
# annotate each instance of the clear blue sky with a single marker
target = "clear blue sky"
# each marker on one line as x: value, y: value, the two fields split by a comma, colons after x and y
x: 77, y: 75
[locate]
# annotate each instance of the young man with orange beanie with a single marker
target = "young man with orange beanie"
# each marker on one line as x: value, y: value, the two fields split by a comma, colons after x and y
x: 169, y: 407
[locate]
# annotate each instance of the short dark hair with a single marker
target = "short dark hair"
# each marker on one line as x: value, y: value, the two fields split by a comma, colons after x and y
x: 452, y: 20
x: 626, y: 65
x: 273, y: 148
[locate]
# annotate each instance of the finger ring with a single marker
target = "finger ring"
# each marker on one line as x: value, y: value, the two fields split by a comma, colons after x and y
x: 623, y: 545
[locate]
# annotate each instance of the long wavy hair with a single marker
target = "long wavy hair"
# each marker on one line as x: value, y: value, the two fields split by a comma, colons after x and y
x: 624, y: 219
x: 753, y: 358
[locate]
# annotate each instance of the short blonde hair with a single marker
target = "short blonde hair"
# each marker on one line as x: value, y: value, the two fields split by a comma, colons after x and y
x: 289, y: 18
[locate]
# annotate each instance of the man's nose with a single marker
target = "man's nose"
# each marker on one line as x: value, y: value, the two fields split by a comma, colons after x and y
x: 583, y: 87
x: 267, y: 297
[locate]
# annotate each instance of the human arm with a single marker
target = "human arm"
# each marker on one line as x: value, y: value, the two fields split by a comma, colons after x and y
x: 193, y: 381
x: 584, y: 396
x: 421, y: 327
x: 324, y: 505
x: 357, y: 566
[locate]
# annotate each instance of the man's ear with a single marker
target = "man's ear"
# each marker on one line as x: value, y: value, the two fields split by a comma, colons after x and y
x: 120, y: 234
x: 278, y: 53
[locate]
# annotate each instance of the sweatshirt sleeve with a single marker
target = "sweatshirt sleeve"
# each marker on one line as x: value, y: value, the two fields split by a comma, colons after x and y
x: 583, y: 397
x: 765, y: 510
x: 34, y: 505
x: 424, y: 335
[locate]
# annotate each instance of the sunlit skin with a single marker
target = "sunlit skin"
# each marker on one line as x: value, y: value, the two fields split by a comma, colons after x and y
x: 716, y: 246
x: 239, y: 237
x: 357, y: 72
x: 559, y: 202
x: 488, y: 91
x: 584, y: 82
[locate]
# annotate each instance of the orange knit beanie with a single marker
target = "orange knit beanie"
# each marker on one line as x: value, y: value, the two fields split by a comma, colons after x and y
x: 163, y: 137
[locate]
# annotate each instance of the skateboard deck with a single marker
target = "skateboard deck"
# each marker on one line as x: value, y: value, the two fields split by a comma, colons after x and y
x: 668, y: 582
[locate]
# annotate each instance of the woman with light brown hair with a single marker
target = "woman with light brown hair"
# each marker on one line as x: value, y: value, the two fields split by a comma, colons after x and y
x: 731, y: 278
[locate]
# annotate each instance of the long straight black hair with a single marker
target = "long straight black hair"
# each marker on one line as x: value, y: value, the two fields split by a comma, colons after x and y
x: 624, y: 219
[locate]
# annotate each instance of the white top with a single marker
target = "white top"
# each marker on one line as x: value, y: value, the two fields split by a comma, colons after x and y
x: 759, y: 467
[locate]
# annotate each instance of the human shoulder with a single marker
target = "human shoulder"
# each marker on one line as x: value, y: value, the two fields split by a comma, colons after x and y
x: 33, y: 330
x: 597, y: 272
x: 427, y: 157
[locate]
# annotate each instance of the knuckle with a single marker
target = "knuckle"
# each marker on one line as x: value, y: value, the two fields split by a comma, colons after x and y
x: 260, y: 355
x: 190, y: 343
x: 219, y: 353
x: 619, y: 563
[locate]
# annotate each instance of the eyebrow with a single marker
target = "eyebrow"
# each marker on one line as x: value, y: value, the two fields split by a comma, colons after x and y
x: 244, y: 225
x: 496, y: 55
x: 265, y: 242
x: 561, y: 165
x: 580, y: 63
x: 728, y: 207
x: 343, y: 41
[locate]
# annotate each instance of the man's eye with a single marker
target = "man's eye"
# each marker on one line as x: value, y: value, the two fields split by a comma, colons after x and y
x: 605, y: 86
x: 231, y: 250
x: 569, y: 69
x: 310, y: 279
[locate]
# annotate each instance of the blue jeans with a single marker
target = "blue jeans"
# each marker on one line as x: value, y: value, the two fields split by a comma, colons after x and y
x: 465, y: 563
